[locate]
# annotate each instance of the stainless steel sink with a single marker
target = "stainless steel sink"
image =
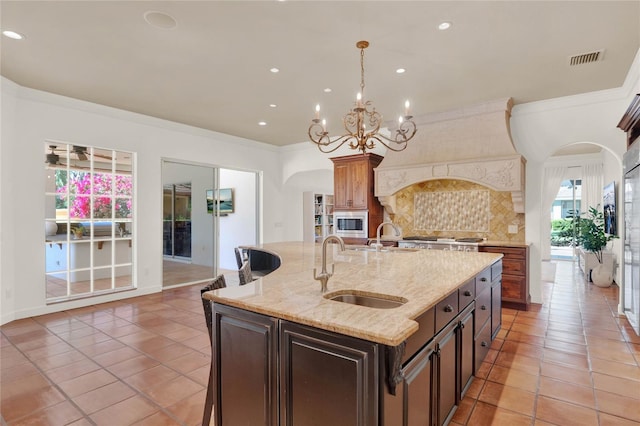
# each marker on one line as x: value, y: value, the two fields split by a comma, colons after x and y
x: 369, y: 300
x: 365, y: 248
x: 382, y: 250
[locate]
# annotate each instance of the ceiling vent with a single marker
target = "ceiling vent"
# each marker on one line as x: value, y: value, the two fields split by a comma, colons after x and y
x: 586, y: 58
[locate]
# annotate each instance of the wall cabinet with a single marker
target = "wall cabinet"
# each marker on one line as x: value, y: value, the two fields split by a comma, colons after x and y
x: 318, y: 216
x: 515, y: 275
x: 353, y: 183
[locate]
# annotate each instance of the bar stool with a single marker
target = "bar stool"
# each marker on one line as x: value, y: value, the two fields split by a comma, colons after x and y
x: 217, y: 283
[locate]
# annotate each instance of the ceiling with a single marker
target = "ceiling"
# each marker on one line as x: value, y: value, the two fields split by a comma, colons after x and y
x: 212, y: 70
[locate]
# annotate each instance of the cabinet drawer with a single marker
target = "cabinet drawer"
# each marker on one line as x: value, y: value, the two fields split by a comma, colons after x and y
x: 514, y: 266
x: 483, y: 307
x: 426, y: 331
x: 446, y: 310
x: 466, y: 294
x: 482, y: 345
x: 513, y: 287
x: 508, y: 252
x: 483, y: 280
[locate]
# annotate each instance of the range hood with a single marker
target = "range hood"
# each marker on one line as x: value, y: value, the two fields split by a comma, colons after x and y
x: 472, y: 144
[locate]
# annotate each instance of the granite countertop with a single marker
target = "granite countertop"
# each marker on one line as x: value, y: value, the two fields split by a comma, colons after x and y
x: 422, y: 277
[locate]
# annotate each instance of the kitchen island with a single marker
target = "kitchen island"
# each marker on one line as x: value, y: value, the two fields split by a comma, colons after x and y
x: 284, y: 353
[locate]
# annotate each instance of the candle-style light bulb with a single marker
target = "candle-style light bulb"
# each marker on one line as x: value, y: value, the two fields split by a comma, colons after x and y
x: 406, y: 107
x: 400, y: 120
x: 324, y: 125
x: 317, y: 111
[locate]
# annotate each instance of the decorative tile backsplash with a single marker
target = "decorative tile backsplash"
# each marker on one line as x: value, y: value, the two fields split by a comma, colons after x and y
x: 457, y: 208
x: 451, y: 211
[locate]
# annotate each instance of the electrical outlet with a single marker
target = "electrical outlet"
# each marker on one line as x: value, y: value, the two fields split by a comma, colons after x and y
x: 513, y: 229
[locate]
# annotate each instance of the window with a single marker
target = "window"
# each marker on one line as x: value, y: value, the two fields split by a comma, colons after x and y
x: 89, y: 213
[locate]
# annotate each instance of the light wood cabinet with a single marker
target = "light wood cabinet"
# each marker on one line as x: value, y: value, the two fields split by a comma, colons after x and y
x: 515, y: 275
x: 353, y: 183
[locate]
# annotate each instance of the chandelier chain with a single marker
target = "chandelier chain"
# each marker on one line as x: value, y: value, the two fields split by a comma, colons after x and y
x: 362, y: 71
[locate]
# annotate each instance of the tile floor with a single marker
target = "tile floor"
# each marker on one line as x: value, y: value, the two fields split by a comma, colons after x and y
x: 144, y: 361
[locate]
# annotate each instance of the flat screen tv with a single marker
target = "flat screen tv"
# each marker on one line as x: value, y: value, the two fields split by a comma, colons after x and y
x: 609, y: 207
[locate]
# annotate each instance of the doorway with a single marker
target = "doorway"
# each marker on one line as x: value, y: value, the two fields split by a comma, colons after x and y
x: 207, y: 212
x: 565, y: 211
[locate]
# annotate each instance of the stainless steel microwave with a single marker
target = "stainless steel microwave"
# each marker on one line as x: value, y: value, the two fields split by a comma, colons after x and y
x: 353, y: 224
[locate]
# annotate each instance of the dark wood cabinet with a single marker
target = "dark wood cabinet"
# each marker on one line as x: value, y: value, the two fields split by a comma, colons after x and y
x: 446, y: 370
x: 465, y: 353
x: 245, y: 348
x: 515, y: 276
x: 326, y: 378
x: 270, y: 371
x: 353, y: 186
x: 417, y: 391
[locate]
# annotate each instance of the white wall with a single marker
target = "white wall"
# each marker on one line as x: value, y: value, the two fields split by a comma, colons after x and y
x: 238, y: 228
x: 541, y: 128
x: 42, y: 116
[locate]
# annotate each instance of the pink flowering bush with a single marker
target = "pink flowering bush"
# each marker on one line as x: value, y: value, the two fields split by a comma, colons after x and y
x: 109, y: 192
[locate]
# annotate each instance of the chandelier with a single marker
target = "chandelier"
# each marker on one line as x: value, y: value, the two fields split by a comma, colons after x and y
x: 362, y: 124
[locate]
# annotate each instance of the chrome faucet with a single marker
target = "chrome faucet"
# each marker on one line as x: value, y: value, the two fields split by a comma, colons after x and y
x: 377, y: 244
x: 324, y: 276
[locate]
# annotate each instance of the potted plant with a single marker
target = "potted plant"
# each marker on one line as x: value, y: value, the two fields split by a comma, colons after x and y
x: 78, y: 231
x: 594, y: 239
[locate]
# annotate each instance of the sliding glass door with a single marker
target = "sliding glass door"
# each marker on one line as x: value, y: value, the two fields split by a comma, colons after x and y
x: 176, y: 213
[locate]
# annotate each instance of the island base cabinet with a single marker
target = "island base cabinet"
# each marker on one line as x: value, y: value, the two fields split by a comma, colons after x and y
x: 445, y: 359
x: 415, y: 394
x: 466, y: 349
x: 326, y: 379
x: 245, y: 348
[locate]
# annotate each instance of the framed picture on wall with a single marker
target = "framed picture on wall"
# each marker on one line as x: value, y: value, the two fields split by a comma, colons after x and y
x: 224, y: 201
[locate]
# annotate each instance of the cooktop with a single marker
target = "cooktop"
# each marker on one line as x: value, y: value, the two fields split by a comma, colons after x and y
x: 447, y: 239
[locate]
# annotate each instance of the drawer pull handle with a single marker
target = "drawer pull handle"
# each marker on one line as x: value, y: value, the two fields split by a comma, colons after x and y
x: 483, y: 279
x: 483, y: 307
x: 484, y: 344
x: 448, y: 308
x: 467, y: 293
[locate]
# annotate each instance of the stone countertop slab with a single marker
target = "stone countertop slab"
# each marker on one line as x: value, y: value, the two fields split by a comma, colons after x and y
x: 422, y: 277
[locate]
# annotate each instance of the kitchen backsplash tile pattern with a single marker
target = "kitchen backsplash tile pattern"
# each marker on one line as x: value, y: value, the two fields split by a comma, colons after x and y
x: 468, y: 208
x: 433, y: 211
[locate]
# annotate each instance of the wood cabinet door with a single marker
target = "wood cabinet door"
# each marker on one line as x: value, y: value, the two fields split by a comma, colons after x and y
x: 466, y: 350
x: 326, y: 378
x: 245, y: 347
x: 447, y: 361
x: 341, y: 192
x: 359, y: 179
x: 417, y: 388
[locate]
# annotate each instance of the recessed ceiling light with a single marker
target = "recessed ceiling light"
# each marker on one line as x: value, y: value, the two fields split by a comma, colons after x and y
x: 444, y: 25
x: 262, y: 123
x: 160, y: 19
x: 400, y: 70
x: 272, y: 105
x: 12, y: 34
x: 327, y: 90
x: 274, y: 70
